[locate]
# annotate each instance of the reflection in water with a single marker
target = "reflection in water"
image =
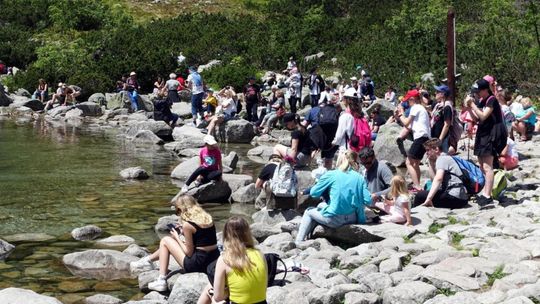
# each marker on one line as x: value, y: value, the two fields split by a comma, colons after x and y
x: 55, y: 177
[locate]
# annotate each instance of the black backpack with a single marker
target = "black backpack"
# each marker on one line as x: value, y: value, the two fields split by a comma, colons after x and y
x: 328, y: 116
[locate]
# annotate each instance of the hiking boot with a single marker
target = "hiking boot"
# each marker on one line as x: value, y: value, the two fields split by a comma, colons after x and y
x: 142, y: 264
x: 158, y: 285
x: 484, y: 202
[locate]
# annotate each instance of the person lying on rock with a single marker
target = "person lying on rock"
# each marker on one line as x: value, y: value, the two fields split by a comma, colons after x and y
x: 194, y: 252
x: 241, y: 273
x: 447, y: 190
x: 396, y: 204
x: 210, y: 164
x: 348, y: 198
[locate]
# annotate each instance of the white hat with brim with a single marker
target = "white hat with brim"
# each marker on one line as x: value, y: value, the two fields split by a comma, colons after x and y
x: 354, y: 78
x: 350, y: 93
x: 209, y: 140
x: 132, y: 74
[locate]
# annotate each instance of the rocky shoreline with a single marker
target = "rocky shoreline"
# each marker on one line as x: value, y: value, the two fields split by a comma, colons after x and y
x: 447, y: 256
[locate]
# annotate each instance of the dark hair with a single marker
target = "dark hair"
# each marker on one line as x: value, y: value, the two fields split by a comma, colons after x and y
x: 366, y: 152
x: 433, y: 143
x: 356, y: 109
x: 313, y: 70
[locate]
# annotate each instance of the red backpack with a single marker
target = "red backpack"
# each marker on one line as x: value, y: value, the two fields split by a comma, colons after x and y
x: 361, y: 136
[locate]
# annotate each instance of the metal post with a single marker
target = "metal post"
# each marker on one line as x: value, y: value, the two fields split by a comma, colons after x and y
x: 451, y: 52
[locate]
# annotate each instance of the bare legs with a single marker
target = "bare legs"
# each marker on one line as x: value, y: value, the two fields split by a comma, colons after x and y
x: 168, y: 245
x: 486, y: 165
x: 413, y: 167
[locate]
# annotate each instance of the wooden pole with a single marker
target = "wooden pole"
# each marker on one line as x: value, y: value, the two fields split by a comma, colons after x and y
x: 451, y: 52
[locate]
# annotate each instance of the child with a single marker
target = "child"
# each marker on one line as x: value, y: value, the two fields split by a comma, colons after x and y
x: 210, y: 164
x: 509, y: 157
x: 525, y: 120
x: 397, y: 203
x: 210, y: 103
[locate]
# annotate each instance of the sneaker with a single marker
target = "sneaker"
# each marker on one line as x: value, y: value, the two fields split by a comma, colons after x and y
x: 142, y: 264
x: 158, y: 285
x: 184, y: 189
x: 484, y: 202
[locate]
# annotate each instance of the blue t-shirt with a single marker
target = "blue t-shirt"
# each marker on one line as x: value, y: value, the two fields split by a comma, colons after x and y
x: 313, y: 116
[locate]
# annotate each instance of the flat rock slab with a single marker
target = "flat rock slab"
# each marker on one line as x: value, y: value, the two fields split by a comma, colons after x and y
x: 102, y: 299
x: 89, y: 232
x: 415, y: 292
x: 103, y: 264
x: 28, y: 238
x: 116, y: 240
x: 23, y: 296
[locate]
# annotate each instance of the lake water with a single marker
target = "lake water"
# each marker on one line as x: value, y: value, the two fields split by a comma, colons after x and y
x: 53, y: 180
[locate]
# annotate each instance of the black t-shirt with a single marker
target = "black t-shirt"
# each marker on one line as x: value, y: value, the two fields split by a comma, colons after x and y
x: 305, y: 145
x: 485, y: 127
x: 267, y: 172
x: 439, y: 117
x: 251, y: 92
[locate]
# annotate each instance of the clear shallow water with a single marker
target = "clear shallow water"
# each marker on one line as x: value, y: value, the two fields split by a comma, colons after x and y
x: 55, y: 179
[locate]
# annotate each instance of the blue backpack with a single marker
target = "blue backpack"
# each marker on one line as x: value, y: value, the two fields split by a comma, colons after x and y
x: 472, y: 177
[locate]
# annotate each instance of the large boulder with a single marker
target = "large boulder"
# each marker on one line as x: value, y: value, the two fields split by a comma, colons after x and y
x: 273, y: 217
x: 14, y: 295
x: 386, y: 146
x: 23, y: 92
x: 134, y: 173
x: 160, y: 128
x: 5, y: 249
x: 261, y: 153
x: 74, y: 114
x: 230, y: 160
x: 236, y: 181
x: 246, y: 194
x: 213, y: 192
x: 101, y: 264
x: 182, y: 109
x: 188, y: 133
x: 386, y: 109
x: 188, y: 288
x: 4, y: 98
x: 59, y: 111
x: 185, y: 168
x: 35, y: 105
x: 89, y: 108
x: 147, y: 137
x: 117, y: 101
x: 358, y: 234
x: 116, y: 241
x: 239, y: 131
x: 89, y: 232
x: 409, y: 292
x: 148, y: 105
x: 98, y: 98
x: 161, y: 225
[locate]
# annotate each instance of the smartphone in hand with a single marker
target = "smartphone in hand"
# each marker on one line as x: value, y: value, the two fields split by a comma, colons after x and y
x: 173, y: 227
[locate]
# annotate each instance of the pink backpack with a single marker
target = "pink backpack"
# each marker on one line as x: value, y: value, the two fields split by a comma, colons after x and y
x: 361, y: 136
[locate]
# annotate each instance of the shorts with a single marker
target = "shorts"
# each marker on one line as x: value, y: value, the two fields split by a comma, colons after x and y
x: 330, y: 153
x: 417, y: 151
x: 199, y: 260
x: 302, y: 159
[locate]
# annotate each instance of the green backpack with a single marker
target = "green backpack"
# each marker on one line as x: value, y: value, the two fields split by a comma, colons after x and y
x: 499, y: 184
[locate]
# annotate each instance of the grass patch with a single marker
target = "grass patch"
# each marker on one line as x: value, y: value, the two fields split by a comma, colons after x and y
x: 407, y: 240
x: 435, y: 227
x: 534, y: 300
x: 455, y: 240
x: 452, y: 220
x: 406, y: 260
x: 446, y: 291
x: 475, y: 252
x: 492, y: 223
x: 497, y: 274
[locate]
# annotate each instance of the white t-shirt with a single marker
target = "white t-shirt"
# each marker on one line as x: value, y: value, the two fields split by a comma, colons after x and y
x: 399, y: 203
x: 345, y: 127
x: 516, y: 108
x: 420, y: 124
x: 196, y: 83
x: 512, y: 152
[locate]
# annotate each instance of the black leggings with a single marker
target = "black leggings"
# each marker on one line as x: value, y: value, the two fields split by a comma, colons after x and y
x: 206, y: 173
x: 440, y: 200
x: 292, y: 103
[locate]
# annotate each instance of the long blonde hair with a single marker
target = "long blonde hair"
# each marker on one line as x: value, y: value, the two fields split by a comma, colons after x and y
x: 237, y: 238
x: 347, y: 160
x: 398, y: 187
x: 189, y: 210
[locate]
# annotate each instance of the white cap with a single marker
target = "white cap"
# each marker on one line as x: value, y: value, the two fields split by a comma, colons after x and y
x: 354, y: 78
x: 351, y: 93
x: 132, y: 74
x: 209, y: 140
x: 363, y: 73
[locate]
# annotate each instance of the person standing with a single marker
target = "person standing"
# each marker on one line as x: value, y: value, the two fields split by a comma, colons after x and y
x: 195, y: 81
x: 345, y: 127
x: 252, y: 96
x: 441, y: 117
x: 132, y: 88
x: 172, y: 89
x: 490, y: 137
x: 418, y: 121
x: 294, y: 83
x: 315, y: 83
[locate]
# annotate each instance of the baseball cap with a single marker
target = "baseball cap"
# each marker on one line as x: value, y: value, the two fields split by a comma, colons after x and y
x: 351, y: 93
x: 444, y: 89
x: 410, y: 94
x: 209, y: 140
x: 482, y: 84
x: 489, y: 78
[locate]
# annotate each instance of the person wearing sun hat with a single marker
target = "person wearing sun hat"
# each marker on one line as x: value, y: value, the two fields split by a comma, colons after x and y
x: 132, y: 87
x: 418, y: 121
x: 210, y: 167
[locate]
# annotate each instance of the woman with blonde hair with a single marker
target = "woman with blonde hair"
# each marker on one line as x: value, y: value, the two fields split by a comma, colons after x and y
x: 194, y: 252
x: 348, y: 197
x: 396, y: 204
x: 241, y: 274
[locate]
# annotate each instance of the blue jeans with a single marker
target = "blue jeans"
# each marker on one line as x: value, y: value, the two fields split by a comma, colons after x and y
x: 133, y: 98
x: 196, y: 104
x: 313, y: 217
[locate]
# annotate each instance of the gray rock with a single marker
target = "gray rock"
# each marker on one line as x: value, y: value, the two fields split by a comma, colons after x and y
x: 147, y: 302
x: 161, y: 226
x: 386, y: 109
x: 239, y: 131
x: 361, y: 298
x: 160, y: 128
x: 261, y: 231
x: 237, y: 181
x: 519, y: 300
x: 101, y: 264
x: 246, y: 194
x: 277, y: 238
x: 187, y: 132
x: 147, y: 137
x: 188, y: 288
x: 116, y: 240
x: 185, y: 168
x: 529, y: 291
x: 390, y: 265
x: 491, y: 297
x: 349, y: 234
x: 74, y: 114
x: 136, y: 250
x: 359, y: 273
x: 213, y: 192
x: 272, y: 217
x: 102, y: 299
x: 386, y: 147
x: 436, y: 256
x: 230, y: 160
x: 154, y: 295
x: 28, y: 238
x: 13, y: 295
x: 58, y: 111
x: 134, y: 173
x: 376, y: 282
x: 264, y: 152
x: 23, y: 92
x: 5, y: 249
x: 504, y: 251
x: 410, y: 273
x: 137, y: 117
x: 89, y: 108
x: 182, y: 109
x: 89, y: 232
x: 450, y: 280
x: 35, y: 105
x: 145, y: 277
x: 409, y: 293
x: 458, y: 298
x: 98, y: 98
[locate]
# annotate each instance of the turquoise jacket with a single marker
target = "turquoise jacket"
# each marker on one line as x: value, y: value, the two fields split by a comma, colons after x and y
x: 348, y: 193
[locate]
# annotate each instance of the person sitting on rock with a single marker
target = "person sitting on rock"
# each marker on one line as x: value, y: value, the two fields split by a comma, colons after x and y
x: 42, y: 91
x: 509, y: 158
x: 301, y: 145
x: 225, y: 112
x: 277, y: 110
x: 378, y: 175
x: 525, y: 120
x: 59, y: 96
x: 210, y: 103
x: 241, y: 273
x: 349, y: 196
x: 76, y: 91
x: 162, y: 110
x: 192, y: 243
x: 447, y: 190
x: 396, y: 204
x: 210, y: 164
